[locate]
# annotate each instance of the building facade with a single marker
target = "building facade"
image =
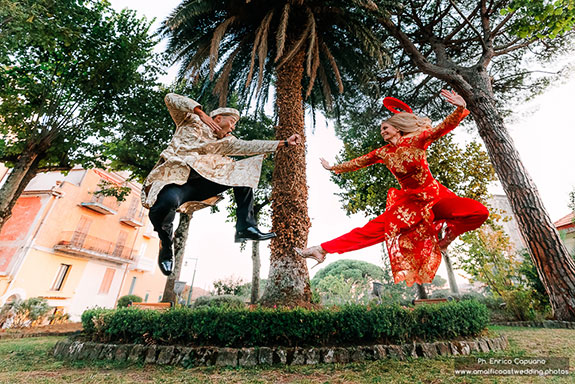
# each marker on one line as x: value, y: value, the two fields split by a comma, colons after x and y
x: 77, y: 249
x: 566, y: 228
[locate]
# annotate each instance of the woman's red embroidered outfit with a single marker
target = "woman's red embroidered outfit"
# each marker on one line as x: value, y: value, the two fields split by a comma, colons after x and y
x: 415, y: 213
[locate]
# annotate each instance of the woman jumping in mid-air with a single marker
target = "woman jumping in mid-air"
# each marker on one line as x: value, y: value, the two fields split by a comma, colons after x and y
x: 416, y: 214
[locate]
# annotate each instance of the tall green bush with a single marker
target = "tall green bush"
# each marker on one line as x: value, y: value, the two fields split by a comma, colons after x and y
x: 125, y: 301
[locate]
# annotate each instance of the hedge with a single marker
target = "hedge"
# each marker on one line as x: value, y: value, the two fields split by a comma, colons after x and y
x: 229, y: 327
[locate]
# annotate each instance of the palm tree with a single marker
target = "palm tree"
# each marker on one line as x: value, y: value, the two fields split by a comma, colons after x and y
x: 306, y: 49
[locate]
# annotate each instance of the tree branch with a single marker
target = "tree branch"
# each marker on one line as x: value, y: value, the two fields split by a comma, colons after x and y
x: 503, y: 22
x: 470, y: 25
x: 461, y: 25
x: 493, y: 7
x: 412, y: 51
x: 487, y: 41
x: 449, y: 75
x: 513, y: 48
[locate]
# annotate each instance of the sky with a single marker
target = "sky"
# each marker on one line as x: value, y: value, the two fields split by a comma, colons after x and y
x: 542, y: 131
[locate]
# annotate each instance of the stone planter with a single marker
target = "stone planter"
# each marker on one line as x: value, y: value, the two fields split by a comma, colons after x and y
x: 249, y: 357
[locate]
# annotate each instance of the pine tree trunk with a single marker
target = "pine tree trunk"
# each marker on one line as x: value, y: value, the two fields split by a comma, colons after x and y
x: 450, y: 275
x: 25, y: 168
x: 255, y: 294
x: 288, y: 281
x: 180, y: 238
x: 555, y: 267
x: 421, y: 292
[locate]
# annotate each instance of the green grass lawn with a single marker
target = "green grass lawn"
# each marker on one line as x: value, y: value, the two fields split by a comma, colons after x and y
x: 30, y: 361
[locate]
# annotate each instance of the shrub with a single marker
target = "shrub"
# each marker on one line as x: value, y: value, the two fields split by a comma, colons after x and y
x: 226, y: 326
x: 25, y: 313
x: 221, y: 301
x: 520, y: 304
x: 125, y: 301
x: 447, y: 320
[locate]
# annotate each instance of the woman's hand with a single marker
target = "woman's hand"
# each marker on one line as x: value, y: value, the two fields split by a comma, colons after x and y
x: 294, y: 139
x: 325, y: 164
x: 453, y: 98
x: 208, y: 121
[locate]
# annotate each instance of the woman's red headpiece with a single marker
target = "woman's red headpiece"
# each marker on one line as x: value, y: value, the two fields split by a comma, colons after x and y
x: 394, y: 104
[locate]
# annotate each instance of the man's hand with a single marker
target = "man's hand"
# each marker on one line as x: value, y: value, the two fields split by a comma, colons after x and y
x: 208, y: 121
x: 294, y: 139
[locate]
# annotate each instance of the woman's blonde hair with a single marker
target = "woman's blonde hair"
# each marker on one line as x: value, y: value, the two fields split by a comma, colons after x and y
x: 408, y: 122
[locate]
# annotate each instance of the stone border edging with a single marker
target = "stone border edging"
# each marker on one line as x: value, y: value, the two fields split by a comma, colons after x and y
x: 250, y: 357
x: 538, y: 324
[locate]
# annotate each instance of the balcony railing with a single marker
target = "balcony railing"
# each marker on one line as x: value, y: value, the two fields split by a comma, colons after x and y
x: 144, y: 264
x: 106, y: 205
x: 80, y: 244
x: 134, y: 218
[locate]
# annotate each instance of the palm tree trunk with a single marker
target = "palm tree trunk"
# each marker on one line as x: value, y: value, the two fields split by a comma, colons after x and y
x: 24, y: 170
x: 288, y: 281
x: 450, y: 275
x: 555, y: 267
x: 180, y: 238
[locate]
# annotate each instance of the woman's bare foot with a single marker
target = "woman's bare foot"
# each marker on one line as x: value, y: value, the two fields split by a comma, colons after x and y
x: 316, y: 252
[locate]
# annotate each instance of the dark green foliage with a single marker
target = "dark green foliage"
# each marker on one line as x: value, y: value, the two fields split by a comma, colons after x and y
x: 66, y: 69
x: 531, y: 279
x: 437, y: 321
x: 519, y: 304
x: 124, y: 301
x: 350, y: 269
x: 346, y: 282
x: 220, y: 301
x: 346, y: 325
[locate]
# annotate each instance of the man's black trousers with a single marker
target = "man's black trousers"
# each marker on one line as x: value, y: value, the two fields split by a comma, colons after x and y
x: 197, y: 188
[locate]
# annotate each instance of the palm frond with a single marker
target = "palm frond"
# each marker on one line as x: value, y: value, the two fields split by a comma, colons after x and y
x: 221, y: 87
x: 297, y: 45
x: 281, y: 32
x: 312, y: 40
x: 263, y: 48
x: 186, y: 11
x: 325, y: 87
x: 334, y: 66
x: 260, y: 32
x: 219, y: 32
x: 316, y: 62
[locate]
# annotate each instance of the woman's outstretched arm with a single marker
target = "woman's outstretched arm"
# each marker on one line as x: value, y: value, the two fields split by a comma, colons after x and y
x: 450, y: 121
x: 355, y: 164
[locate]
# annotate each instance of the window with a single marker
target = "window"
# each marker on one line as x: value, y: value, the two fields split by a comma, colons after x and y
x: 132, y: 285
x: 107, y: 281
x: 61, y: 277
x: 146, y: 298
